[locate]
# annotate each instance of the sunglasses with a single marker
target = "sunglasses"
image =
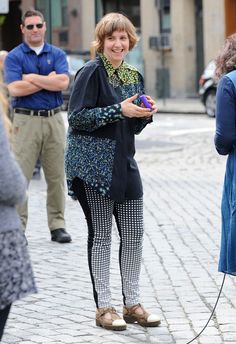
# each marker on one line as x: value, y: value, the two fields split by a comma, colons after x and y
x: 31, y: 26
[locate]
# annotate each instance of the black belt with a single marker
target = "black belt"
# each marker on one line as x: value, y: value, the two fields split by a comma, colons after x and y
x: 44, y: 113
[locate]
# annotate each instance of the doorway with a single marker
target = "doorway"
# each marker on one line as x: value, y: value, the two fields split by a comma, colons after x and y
x: 10, y: 30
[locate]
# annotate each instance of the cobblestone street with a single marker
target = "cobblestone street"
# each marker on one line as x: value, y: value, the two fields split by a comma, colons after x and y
x: 182, y: 178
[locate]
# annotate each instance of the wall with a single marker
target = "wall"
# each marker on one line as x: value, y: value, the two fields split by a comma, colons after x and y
x: 230, y: 17
x: 183, y: 58
x: 88, y: 23
x: 27, y: 5
x: 213, y: 28
x: 74, y: 25
x: 150, y: 27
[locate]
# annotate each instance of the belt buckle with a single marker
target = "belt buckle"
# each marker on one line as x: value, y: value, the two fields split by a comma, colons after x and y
x: 39, y: 111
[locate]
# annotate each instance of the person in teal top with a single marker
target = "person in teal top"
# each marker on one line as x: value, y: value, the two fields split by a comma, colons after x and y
x: 104, y: 115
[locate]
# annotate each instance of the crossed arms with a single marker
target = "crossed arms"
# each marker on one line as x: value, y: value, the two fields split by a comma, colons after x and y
x: 32, y: 83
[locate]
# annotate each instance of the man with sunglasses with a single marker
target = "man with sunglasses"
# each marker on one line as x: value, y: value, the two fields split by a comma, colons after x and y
x: 36, y: 72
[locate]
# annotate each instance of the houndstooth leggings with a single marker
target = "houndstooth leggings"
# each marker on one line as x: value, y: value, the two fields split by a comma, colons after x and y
x: 98, y: 211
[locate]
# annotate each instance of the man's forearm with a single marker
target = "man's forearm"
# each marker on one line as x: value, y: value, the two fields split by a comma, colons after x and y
x: 22, y: 88
x: 51, y: 82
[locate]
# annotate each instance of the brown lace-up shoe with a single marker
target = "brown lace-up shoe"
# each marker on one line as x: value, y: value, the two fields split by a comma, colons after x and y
x: 109, y: 319
x: 138, y: 314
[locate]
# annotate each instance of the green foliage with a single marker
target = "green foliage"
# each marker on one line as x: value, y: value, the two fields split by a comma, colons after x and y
x: 2, y: 19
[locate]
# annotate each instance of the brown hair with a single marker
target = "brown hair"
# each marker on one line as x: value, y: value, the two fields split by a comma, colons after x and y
x: 31, y: 13
x: 113, y: 22
x: 226, y: 60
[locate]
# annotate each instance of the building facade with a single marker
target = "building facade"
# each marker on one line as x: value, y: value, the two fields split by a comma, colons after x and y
x: 177, y: 37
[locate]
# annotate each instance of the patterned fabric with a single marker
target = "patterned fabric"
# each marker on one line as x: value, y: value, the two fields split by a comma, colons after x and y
x: 125, y: 73
x: 129, y: 219
x: 90, y: 120
x: 12, y: 185
x: 16, y: 276
x: 100, y: 143
x: 91, y: 152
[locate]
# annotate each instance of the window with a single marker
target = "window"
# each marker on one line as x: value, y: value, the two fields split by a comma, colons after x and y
x: 64, y: 13
x: 130, y: 8
x: 56, y: 16
x: 165, y: 25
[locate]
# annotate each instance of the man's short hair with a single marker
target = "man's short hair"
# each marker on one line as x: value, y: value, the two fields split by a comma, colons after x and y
x: 31, y: 13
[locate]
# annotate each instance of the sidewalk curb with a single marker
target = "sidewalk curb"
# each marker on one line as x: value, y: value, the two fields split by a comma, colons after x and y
x: 189, y: 106
x: 184, y: 112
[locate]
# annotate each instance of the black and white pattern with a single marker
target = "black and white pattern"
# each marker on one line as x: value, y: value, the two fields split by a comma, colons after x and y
x: 100, y: 138
x: 129, y: 219
x: 16, y: 276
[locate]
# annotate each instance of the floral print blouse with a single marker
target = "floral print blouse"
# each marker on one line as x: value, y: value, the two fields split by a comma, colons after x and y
x: 100, y: 141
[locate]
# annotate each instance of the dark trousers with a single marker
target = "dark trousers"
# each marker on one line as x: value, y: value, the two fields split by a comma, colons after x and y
x: 3, y: 319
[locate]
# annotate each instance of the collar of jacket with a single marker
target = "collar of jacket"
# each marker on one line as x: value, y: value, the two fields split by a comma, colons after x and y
x: 123, y: 71
x: 27, y: 49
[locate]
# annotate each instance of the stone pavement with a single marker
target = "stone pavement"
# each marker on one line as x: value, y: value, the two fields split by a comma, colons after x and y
x: 182, y: 177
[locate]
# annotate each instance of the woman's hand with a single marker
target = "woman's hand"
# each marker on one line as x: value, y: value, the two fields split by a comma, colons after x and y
x: 129, y: 109
x: 152, y: 103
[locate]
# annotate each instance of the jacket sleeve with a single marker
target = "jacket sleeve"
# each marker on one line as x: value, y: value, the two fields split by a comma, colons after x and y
x: 141, y: 122
x: 12, y: 182
x: 225, y: 135
x: 83, y: 113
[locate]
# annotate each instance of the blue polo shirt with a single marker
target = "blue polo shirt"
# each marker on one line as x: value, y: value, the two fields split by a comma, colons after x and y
x: 24, y: 60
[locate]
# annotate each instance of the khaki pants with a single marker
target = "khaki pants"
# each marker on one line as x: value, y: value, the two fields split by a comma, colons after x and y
x: 36, y: 136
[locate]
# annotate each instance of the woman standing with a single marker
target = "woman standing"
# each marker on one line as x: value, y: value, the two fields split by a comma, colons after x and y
x: 225, y: 142
x: 104, y: 115
x: 16, y: 276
